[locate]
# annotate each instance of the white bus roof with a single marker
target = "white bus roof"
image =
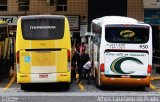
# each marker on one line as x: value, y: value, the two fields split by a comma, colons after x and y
x: 116, y: 20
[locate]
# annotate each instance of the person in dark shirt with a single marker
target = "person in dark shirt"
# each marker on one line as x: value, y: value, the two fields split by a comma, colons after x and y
x: 86, y: 70
x: 83, y: 59
x: 75, y: 60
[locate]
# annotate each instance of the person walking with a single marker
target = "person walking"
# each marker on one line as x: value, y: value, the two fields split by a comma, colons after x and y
x: 86, y: 71
x: 83, y: 59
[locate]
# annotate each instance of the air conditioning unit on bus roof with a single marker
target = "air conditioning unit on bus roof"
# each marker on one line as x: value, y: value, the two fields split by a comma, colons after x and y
x: 114, y: 19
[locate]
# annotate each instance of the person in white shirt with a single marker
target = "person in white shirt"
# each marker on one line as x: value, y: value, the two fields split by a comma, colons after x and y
x: 86, y: 71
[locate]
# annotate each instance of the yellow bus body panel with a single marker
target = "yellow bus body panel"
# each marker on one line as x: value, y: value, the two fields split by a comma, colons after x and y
x: 21, y: 43
x: 60, y: 77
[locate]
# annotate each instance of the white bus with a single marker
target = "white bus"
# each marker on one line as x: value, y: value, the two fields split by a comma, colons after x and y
x: 121, y: 49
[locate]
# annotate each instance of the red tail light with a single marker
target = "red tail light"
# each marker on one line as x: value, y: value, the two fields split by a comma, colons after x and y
x: 69, y: 55
x: 149, y: 69
x: 17, y: 61
x: 17, y: 57
x: 102, y: 67
x: 69, y: 59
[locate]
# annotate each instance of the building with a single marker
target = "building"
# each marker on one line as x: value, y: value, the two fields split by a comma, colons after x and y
x: 75, y: 10
x: 152, y: 17
x: 81, y: 12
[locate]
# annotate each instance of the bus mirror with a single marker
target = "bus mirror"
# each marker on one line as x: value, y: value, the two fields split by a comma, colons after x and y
x: 89, y: 34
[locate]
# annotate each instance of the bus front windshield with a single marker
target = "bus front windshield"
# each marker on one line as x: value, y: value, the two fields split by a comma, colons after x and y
x: 127, y: 34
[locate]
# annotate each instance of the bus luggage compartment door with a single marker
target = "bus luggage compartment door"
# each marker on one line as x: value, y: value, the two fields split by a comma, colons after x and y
x: 43, y: 61
x: 131, y: 64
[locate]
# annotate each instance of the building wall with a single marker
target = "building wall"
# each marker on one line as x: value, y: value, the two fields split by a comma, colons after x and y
x: 135, y: 9
x: 74, y: 7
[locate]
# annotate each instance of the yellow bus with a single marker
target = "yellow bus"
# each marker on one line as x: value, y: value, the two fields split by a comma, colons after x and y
x: 43, y: 49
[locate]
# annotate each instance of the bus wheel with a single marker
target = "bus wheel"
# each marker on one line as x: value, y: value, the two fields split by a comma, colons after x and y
x: 67, y: 85
x: 97, y: 83
x: 142, y: 88
x: 24, y: 87
x: 96, y: 78
x: 158, y: 70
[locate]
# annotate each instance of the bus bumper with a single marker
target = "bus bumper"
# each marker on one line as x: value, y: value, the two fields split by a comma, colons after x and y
x: 44, y: 78
x: 135, y: 82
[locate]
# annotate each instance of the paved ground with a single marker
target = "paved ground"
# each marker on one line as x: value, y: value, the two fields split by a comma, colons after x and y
x: 11, y: 92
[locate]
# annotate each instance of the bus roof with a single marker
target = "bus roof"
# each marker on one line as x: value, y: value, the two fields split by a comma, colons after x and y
x: 116, y: 20
x: 42, y: 16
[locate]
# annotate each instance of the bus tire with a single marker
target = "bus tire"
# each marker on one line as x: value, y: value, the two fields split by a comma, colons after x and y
x: 97, y: 86
x: 67, y: 85
x: 158, y: 70
x: 141, y: 88
x: 96, y: 79
x: 24, y: 87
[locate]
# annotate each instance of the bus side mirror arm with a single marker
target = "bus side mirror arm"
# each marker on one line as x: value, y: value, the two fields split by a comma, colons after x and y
x: 89, y: 34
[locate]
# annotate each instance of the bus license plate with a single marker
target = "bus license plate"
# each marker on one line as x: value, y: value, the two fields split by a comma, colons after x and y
x: 43, y: 76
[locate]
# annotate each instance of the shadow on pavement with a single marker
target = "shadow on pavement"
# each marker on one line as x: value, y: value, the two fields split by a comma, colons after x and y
x: 46, y: 87
x: 122, y: 88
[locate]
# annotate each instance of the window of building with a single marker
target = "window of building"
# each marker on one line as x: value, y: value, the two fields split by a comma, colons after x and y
x: 52, y: 2
x: 61, y: 5
x: 23, y: 5
x: 3, y: 5
x: 158, y: 0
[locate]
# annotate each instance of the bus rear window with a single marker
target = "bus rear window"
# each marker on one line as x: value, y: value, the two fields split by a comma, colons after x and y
x: 127, y: 34
x: 42, y: 28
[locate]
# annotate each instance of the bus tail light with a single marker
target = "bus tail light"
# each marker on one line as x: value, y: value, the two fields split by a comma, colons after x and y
x: 69, y: 59
x: 17, y: 61
x: 69, y: 55
x: 149, y: 71
x: 102, y: 67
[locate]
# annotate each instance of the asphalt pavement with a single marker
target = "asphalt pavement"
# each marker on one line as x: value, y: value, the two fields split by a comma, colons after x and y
x: 10, y: 91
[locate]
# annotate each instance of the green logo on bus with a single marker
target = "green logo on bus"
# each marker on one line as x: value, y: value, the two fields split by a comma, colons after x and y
x: 116, y: 64
x: 127, y: 33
